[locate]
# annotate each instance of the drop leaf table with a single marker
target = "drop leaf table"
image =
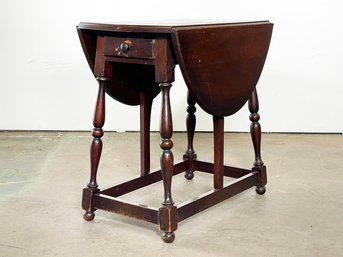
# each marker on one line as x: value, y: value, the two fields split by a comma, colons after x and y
x: 221, y: 63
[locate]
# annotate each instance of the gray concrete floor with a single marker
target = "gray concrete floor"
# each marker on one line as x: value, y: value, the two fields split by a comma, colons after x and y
x: 42, y: 176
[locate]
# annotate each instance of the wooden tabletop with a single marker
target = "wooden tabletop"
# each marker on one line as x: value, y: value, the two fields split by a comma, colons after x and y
x: 165, y: 26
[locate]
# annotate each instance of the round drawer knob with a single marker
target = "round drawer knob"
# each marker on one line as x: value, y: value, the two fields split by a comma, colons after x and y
x: 125, y: 46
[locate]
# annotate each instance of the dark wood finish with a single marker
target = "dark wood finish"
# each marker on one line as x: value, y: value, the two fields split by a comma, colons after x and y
x: 229, y: 171
x: 114, y: 59
x: 164, y: 61
x: 96, y: 146
x: 211, y: 198
x: 129, y: 80
x: 145, y: 113
x: 101, y: 67
x: 108, y: 203
x: 255, y: 128
x: 140, y: 182
x: 166, y: 131
x: 222, y: 71
x: 220, y: 62
x: 262, y: 179
x: 164, y: 73
x: 107, y: 199
x: 166, y: 212
x: 129, y: 47
x: 255, y: 131
x: 218, y: 167
x: 161, y: 27
x: 190, y: 125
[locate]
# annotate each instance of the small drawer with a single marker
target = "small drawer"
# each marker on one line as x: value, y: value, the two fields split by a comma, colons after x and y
x: 129, y: 47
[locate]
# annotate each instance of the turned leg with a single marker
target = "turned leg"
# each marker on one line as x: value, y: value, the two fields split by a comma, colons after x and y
x: 218, y: 164
x: 190, y: 124
x: 255, y: 131
x: 95, y: 150
x: 167, y: 213
x: 145, y: 114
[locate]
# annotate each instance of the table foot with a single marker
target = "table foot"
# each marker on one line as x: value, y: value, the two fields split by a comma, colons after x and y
x: 89, y: 215
x: 260, y: 190
x: 168, y: 237
x: 189, y: 174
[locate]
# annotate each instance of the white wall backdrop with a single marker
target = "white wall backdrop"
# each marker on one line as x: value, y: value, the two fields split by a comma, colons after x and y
x: 45, y: 82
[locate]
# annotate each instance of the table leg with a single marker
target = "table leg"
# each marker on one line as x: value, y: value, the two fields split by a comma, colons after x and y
x: 145, y: 114
x: 255, y: 130
x: 218, y: 164
x: 96, y: 148
x: 190, y: 124
x: 168, y: 212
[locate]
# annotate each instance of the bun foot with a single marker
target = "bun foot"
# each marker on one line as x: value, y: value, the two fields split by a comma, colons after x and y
x: 260, y: 190
x: 168, y: 237
x: 189, y: 175
x: 89, y: 215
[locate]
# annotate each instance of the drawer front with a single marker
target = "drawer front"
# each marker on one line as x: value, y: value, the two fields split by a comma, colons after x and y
x: 129, y: 47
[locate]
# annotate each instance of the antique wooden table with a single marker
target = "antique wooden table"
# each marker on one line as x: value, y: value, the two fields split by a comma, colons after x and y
x: 221, y: 63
